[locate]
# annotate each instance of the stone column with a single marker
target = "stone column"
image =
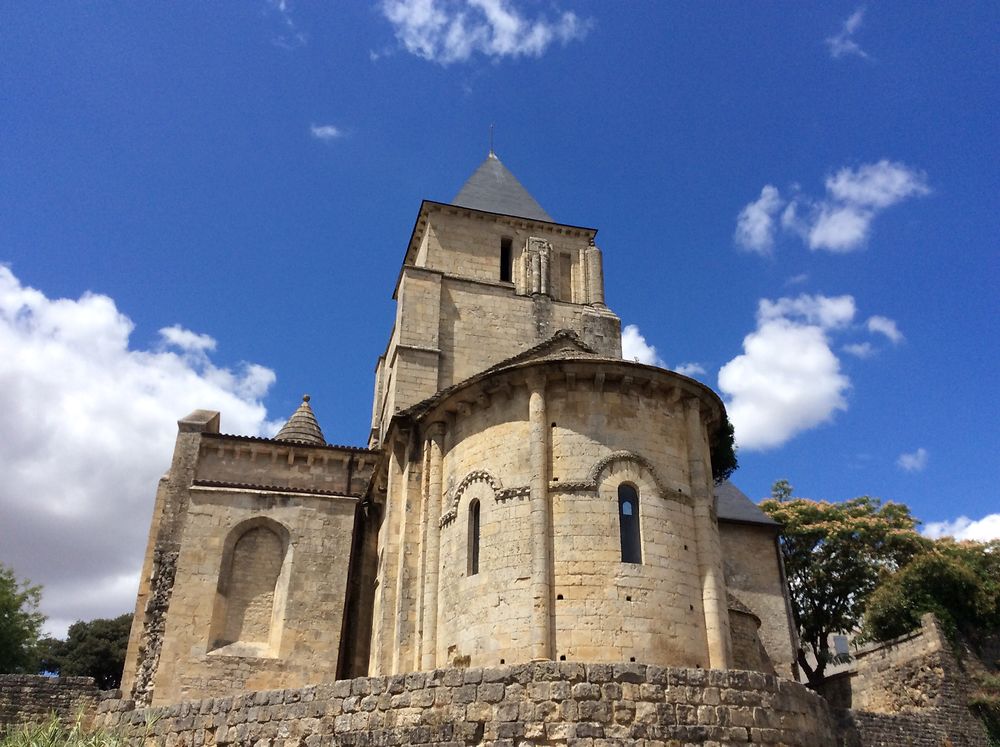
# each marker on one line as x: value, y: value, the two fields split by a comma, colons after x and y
x: 713, y: 585
x: 595, y: 276
x: 541, y: 557
x: 536, y: 271
x: 401, y: 617
x: 543, y: 251
x: 432, y: 534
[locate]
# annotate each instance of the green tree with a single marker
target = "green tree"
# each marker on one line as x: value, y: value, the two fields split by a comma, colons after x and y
x: 20, y: 622
x: 722, y: 451
x: 958, y: 581
x: 781, y: 490
x: 834, y: 555
x: 91, y: 649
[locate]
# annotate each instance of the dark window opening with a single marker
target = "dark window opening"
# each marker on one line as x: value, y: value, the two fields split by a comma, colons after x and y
x: 474, y: 538
x: 628, y: 522
x: 506, y: 260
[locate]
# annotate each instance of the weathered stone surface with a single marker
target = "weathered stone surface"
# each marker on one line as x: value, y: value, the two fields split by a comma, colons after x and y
x: 624, y: 708
x: 26, y: 698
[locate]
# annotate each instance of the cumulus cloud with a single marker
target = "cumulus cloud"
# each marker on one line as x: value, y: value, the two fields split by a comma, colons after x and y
x: 326, y: 132
x: 186, y: 340
x: 690, y: 369
x: 788, y: 378
x: 842, y: 43
x: 964, y: 528
x: 635, y: 347
x: 88, y: 428
x: 914, y: 461
x: 447, y: 31
x: 838, y: 222
x: 885, y: 326
x: 755, y: 224
x: 860, y: 349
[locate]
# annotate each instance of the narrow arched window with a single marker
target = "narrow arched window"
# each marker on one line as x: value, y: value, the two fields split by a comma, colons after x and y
x: 628, y: 523
x: 506, y: 260
x: 474, y: 538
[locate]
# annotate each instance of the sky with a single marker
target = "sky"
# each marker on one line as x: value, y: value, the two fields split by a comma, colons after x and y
x: 206, y: 206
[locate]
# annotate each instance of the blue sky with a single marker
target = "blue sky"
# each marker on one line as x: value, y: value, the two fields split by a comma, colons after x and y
x: 207, y: 205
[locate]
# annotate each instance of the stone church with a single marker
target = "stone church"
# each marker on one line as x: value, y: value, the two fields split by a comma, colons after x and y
x: 525, y: 494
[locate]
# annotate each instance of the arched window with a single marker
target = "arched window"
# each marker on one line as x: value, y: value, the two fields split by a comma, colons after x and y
x: 474, y: 538
x: 506, y: 260
x: 628, y: 523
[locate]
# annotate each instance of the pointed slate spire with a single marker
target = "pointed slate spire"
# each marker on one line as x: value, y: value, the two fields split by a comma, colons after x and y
x: 302, y: 426
x: 494, y: 189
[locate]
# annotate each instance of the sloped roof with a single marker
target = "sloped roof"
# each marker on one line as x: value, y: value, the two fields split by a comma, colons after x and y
x: 494, y: 189
x: 302, y: 426
x: 734, y: 505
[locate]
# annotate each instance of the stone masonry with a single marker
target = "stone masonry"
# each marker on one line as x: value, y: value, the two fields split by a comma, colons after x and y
x: 541, y: 704
x: 26, y: 698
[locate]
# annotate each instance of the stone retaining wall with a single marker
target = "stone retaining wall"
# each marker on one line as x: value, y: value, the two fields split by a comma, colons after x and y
x: 27, y: 697
x: 908, y: 692
x: 543, y: 703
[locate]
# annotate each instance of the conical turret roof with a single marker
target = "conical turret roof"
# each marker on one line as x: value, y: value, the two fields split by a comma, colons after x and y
x: 494, y: 189
x: 302, y: 426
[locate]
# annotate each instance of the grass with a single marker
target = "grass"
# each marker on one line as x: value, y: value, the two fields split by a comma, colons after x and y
x: 53, y: 733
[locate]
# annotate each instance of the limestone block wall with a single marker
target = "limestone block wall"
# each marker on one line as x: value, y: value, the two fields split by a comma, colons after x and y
x: 550, y: 703
x: 449, y: 328
x: 753, y: 573
x: 27, y: 698
x: 247, y: 460
x: 476, y: 468
x: 245, y: 575
x: 541, y: 450
x: 483, y: 324
x: 259, y: 592
x: 466, y: 242
x: 912, y: 691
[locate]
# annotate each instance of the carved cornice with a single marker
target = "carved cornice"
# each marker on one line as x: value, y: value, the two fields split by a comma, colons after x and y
x: 500, y: 493
x: 593, y: 479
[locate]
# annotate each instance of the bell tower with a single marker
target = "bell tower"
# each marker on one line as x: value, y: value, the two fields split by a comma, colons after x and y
x: 485, y: 277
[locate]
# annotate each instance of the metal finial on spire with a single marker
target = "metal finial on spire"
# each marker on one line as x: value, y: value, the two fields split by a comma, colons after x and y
x: 492, y: 154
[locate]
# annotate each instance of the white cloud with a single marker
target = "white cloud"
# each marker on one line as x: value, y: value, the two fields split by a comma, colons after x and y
x: 839, y: 228
x: 964, y: 528
x: 799, y: 279
x: 839, y: 222
x: 788, y: 379
x: 88, y: 428
x: 326, y: 132
x: 447, y: 31
x: 841, y: 44
x: 690, y: 369
x: 914, y: 461
x: 876, y: 185
x: 290, y: 37
x: 635, y: 347
x: 755, y: 224
x: 826, y: 311
x: 885, y: 326
x: 860, y: 349
x: 186, y: 340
